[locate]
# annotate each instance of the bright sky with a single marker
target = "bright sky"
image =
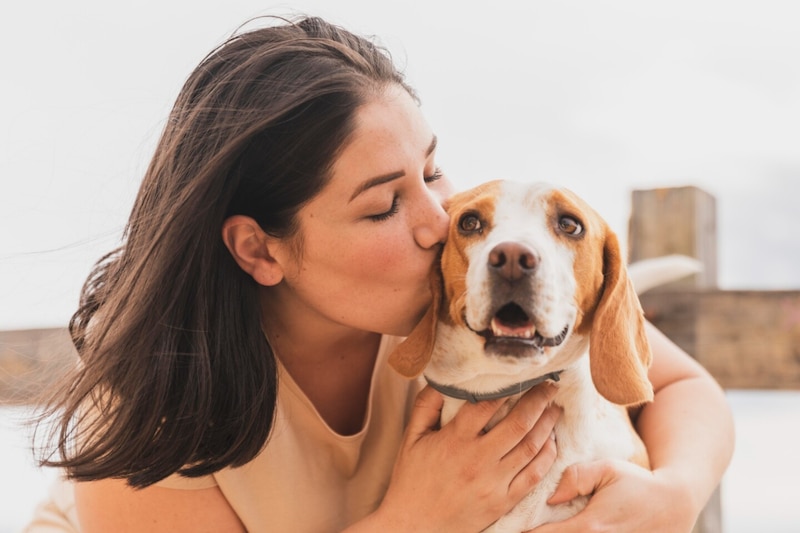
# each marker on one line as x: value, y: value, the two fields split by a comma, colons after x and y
x: 603, y: 97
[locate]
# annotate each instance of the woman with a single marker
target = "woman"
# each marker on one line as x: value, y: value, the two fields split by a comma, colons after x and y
x: 233, y: 350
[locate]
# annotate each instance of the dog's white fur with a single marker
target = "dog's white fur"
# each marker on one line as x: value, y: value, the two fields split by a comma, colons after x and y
x: 574, y: 280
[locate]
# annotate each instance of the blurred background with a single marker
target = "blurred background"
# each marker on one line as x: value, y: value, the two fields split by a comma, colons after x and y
x: 604, y: 97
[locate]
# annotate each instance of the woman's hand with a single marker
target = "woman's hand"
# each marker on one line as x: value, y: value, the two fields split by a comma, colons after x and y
x: 688, y: 432
x: 459, y: 478
x: 625, y: 498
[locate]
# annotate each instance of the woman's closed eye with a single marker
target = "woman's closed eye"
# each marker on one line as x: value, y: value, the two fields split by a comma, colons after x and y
x: 436, y: 176
x: 395, y: 207
x: 387, y: 214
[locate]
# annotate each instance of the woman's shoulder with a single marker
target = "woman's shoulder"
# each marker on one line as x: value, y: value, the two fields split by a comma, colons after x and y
x: 112, y: 505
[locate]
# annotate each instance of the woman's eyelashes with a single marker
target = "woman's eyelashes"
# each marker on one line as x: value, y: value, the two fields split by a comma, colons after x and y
x: 395, y: 207
x: 436, y: 176
x: 387, y: 214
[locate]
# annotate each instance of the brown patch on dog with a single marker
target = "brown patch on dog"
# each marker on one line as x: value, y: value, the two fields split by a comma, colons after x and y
x: 619, y: 354
x: 413, y: 354
x: 587, y: 250
x: 482, y: 202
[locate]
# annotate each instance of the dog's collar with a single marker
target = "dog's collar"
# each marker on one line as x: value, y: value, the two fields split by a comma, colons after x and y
x: 473, y: 397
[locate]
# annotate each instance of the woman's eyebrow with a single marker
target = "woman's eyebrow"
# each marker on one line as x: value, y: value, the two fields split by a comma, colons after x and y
x: 385, y: 178
x: 432, y: 147
x: 378, y: 180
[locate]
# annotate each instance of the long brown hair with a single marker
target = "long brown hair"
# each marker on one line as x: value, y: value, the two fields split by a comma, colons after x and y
x: 175, y: 372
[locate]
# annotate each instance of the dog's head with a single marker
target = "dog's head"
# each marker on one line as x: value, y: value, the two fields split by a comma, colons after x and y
x: 528, y: 274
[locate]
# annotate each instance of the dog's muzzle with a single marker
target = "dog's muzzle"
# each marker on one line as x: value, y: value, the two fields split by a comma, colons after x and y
x: 512, y: 333
x: 511, y: 330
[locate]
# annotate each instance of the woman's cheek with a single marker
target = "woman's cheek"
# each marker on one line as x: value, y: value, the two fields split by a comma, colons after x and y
x: 383, y: 253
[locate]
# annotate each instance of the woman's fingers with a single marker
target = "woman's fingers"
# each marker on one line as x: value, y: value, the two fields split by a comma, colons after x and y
x: 582, y: 479
x: 619, y: 490
x: 535, y: 454
x: 472, y: 418
x: 516, y: 427
x: 426, y: 413
x: 522, y: 445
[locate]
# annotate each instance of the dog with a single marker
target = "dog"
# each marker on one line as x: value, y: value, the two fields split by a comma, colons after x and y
x: 529, y: 275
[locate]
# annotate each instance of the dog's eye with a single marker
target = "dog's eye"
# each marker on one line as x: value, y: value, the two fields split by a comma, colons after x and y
x: 570, y: 226
x: 470, y: 223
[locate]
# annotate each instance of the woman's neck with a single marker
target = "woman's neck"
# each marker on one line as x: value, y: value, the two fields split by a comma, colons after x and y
x: 330, y: 363
x: 337, y: 382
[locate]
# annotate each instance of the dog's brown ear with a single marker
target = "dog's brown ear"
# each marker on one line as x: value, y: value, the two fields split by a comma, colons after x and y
x: 410, y: 356
x: 619, y: 352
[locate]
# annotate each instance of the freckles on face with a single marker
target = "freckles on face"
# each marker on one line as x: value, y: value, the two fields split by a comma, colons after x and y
x: 370, y: 237
x: 370, y: 277
x: 366, y: 258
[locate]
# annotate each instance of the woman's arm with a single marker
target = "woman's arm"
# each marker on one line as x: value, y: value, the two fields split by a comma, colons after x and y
x: 688, y: 431
x: 112, y: 505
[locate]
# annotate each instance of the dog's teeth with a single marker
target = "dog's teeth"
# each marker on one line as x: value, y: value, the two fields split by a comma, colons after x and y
x: 499, y: 330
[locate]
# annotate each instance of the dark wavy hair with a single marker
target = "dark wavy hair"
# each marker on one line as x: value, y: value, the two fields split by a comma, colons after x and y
x: 175, y: 372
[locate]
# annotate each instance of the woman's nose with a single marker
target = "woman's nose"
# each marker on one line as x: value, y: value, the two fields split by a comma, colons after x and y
x: 431, y: 227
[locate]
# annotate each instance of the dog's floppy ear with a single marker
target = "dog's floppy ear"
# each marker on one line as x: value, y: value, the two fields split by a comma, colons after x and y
x: 619, y: 353
x: 411, y: 355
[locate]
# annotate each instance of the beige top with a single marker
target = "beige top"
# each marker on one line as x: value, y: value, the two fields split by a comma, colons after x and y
x: 308, y: 477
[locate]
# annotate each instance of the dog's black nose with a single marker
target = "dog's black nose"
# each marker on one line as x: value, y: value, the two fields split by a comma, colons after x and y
x: 512, y: 261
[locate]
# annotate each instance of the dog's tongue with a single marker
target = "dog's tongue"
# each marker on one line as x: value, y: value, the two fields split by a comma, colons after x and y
x: 518, y: 329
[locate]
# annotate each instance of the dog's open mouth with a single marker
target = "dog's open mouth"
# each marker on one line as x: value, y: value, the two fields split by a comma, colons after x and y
x: 512, y: 326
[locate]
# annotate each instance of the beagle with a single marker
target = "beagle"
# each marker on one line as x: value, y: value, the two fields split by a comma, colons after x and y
x: 529, y: 274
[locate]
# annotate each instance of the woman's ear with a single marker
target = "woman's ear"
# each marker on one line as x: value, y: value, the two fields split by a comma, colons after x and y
x: 250, y: 247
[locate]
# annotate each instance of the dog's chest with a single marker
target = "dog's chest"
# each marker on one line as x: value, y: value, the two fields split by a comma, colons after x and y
x: 589, y: 429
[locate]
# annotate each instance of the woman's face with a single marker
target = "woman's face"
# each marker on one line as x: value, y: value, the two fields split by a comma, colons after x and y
x: 367, y: 241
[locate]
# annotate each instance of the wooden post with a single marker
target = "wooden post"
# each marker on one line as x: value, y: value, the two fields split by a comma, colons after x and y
x: 679, y: 221
x: 676, y: 221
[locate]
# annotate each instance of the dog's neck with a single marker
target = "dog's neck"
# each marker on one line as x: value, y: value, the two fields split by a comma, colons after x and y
x: 475, y: 397
x: 455, y: 397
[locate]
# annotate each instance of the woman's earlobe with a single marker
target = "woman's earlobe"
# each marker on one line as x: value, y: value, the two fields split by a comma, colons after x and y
x: 250, y: 247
